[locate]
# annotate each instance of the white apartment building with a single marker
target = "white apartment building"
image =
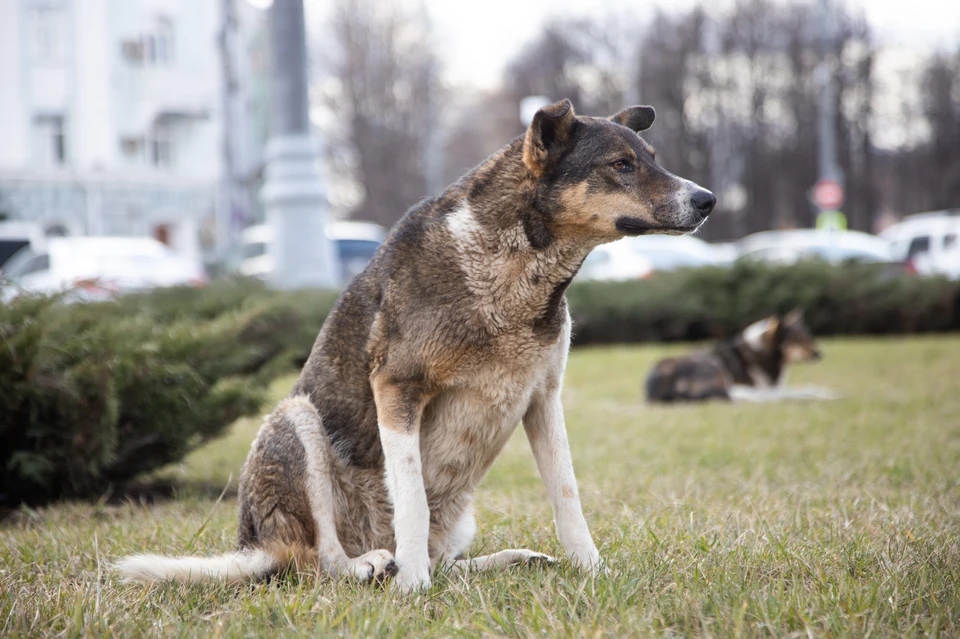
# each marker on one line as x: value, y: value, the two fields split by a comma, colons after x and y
x: 111, y: 118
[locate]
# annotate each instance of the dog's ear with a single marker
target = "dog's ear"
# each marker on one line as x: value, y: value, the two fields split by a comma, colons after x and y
x: 636, y: 118
x: 548, y: 136
x: 793, y: 317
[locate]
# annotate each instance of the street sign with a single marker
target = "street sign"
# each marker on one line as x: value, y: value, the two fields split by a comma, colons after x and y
x: 828, y: 194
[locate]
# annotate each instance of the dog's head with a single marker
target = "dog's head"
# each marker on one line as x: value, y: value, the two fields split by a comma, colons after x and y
x: 599, y: 179
x: 796, y: 341
x: 788, y: 334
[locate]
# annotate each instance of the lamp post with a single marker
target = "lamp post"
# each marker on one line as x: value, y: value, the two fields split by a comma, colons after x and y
x: 293, y: 193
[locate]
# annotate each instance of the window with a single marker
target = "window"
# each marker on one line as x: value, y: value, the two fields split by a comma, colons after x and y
x: 161, y: 146
x: 9, y: 248
x: 47, y: 39
x: 949, y: 240
x: 918, y: 245
x: 130, y: 147
x: 161, y: 233
x: 158, y: 45
x: 255, y: 249
x: 355, y: 255
x: 50, y: 148
x: 27, y: 263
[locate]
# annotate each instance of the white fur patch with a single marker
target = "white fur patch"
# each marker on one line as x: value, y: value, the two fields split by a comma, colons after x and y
x: 236, y: 566
x: 760, y: 377
x: 463, y: 226
x: 411, y: 513
x: 498, y: 560
x: 547, y: 434
x: 753, y: 334
x: 303, y: 416
x: 740, y: 393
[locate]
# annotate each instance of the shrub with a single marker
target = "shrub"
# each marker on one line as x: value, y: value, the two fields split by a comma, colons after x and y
x: 94, y: 394
x: 852, y: 299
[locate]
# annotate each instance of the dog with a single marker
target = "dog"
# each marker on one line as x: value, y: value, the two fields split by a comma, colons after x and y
x: 751, y: 366
x: 456, y: 332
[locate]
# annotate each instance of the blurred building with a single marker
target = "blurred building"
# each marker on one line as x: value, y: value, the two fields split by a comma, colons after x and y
x: 111, y: 117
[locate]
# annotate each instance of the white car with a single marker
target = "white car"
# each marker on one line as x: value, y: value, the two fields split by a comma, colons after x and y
x: 96, y: 268
x: 356, y: 243
x: 614, y: 262
x: 945, y: 262
x: 15, y: 235
x: 789, y: 247
x: 639, y: 257
x: 928, y: 240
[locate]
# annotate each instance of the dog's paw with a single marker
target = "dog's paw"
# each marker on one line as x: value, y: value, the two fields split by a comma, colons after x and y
x: 587, y: 560
x: 409, y: 579
x: 524, y: 556
x: 375, y: 565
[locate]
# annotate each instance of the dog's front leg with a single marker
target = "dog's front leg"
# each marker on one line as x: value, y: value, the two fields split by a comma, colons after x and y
x: 547, y: 433
x: 398, y: 418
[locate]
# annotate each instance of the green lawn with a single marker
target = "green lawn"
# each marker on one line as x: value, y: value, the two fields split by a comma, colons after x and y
x: 817, y: 519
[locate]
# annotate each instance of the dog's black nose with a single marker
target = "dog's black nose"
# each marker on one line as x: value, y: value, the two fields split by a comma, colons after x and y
x: 704, y: 202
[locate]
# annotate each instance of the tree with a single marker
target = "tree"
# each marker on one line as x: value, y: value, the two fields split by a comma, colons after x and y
x: 382, y: 88
x: 940, y: 87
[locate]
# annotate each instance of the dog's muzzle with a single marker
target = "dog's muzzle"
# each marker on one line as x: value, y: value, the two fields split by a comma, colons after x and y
x: 703, y: 202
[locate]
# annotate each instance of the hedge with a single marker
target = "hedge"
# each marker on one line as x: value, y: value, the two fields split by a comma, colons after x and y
x: 696, y: 304
x: 95, y: 394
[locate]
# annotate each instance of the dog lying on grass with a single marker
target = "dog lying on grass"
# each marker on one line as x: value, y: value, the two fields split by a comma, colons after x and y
x: 750, y: 366
x: 456, y: 332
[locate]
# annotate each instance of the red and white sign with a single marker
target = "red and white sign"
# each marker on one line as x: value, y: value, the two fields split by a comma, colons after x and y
x: 828, y: 195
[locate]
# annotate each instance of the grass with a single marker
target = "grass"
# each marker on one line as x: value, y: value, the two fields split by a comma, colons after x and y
x: 818, y: 519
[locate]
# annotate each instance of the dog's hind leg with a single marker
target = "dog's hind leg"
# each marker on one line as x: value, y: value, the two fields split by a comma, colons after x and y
x: 507, y: 557
x: 459, y: 540
x: 300, y: 413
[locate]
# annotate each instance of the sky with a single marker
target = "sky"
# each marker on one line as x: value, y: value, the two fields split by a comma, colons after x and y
x: 478, y: 38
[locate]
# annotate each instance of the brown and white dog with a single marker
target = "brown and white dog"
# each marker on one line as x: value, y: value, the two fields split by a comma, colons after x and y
x: 750, y: 366
x: 455, y: 333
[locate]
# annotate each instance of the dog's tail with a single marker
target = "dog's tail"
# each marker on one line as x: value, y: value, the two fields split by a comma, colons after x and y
x: 252, y: 564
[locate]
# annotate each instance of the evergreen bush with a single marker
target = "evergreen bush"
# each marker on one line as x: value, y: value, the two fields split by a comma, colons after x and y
x: 96, y: 394
x: 706, y: 303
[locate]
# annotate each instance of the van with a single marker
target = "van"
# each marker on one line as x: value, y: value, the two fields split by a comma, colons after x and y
x: 925, y: 239
x: 355, y: 243
x: 16, y: 235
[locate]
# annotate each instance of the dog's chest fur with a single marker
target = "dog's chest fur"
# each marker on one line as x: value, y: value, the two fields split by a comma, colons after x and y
x: 517, y: 297
x: 516, y: 292
x: 464, y: 428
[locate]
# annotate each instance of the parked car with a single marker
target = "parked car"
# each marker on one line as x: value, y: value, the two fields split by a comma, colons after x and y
x: 945, y: 262
x: 638, y: 257
x: 926, y: 240
x: 15, y: 236
x: 834, y: 246
x: 670, y: 252
x: 96, y: 268
x: 614, y: 262
x: 356, y: 243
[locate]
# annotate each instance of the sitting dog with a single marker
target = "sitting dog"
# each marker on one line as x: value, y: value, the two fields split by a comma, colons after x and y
x: 456, y: 332
x: 751, y: 366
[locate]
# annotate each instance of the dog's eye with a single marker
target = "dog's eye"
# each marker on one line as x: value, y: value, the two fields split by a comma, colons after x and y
x: 623, y: 165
